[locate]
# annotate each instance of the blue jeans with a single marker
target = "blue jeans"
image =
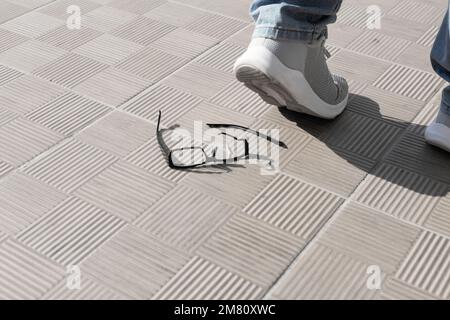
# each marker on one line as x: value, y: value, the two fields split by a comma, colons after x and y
x: 307, y: 20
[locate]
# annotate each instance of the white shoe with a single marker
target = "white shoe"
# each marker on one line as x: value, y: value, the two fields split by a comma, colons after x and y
x: 438, y: 132
x: 293, y: 74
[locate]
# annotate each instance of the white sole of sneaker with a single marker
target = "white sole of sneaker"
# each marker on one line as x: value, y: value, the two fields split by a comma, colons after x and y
x: 438, y: 135
x: 260, y: 70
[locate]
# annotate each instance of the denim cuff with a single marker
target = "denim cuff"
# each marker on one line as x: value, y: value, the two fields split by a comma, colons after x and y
x: 287, y: 34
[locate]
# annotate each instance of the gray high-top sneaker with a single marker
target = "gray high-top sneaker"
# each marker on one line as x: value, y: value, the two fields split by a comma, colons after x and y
x: 438, y: 132
x: 293, y: 74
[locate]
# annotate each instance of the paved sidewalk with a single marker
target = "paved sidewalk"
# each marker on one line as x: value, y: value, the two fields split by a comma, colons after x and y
x: 83, y: 182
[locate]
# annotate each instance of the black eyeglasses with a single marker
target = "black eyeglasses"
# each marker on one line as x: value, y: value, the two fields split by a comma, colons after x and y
x: 193, y: 157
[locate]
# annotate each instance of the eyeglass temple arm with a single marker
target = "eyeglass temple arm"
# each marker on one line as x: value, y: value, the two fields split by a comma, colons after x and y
x: 161, y: 142
x: 257, y: 133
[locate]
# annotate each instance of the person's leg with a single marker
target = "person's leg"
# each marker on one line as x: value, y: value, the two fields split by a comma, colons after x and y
x: 286, y: 60
x: 438, y: 133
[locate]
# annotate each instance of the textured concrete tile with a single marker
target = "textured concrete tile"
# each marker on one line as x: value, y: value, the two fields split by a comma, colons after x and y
x: 23, y: 201
x: 416, y: 11
x: 118, y: 133
x: 428, y: 38
x: 201, y: 279
x: 124, y: 190
x: 32, y: 24
x: 439, y: 219
x: 400, y: 193
x: 89, y: 290
x: 108, y: 49
x: 68, y: 113
x: 61, y: 70
x: 379, y: 45
x: 143, y: 30
x: 413, y: 153
x: 322, y: 273
x: 216, y: 26
x: 70, y: 165
x: 65, y: 233
x: 222, y: 57
x: 5, y: 168
x: 294, y: 206
x: 349, y: 64
x: 32, y: 4
x: 21, y: 140
x: 335, y: 170
x: 172, y: 103
x: 409, y: 82
x: 69, y: 39
x: 363, y: 136
x: 59, y: 8
x: 136, y: 6
x: 175, y: 14
x: 10, y: 10
x: 232, y: 8
x: 252, y: 249
x: 10, y: 39
x: 185, y: 218
x: 8, y: 74
x: 30, y: 55
x: 184, y: 43
x: 425, y: 116
x: 151, y: 64
x: 395, y: 289
x: 28, y: 93
x: 341, y: 35
x: 353, y: 15
x: 402, y: 28
x: 106, y: 19
x: 5, y: 115
x: 238, y: 97
x: 427, y: 266
x: 370, y: 237
x: 25, y: 274
x: 135, y: 264
x: 112, y: 87
x: 243, y: 37
x: 200, y: 80
x: 414, y: 57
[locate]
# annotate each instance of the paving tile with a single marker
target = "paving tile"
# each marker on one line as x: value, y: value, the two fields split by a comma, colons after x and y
x: 395, y: 289
x: 428, y: 38
x: 32, y: 4
x: 61, y: 70
x: 341, y: 35
x: 69, y: 39
x: 124, y: 190
x: 26, y: 275
x: 32, y: 24
x: 59, y: 8
x: 28, y: 93
x: 294, y: 206
x: 370, y: 237
x: 402, y: 28
x: 10, y: 39
x: 204, y: 280
x: 321, y: 273
x: 89, y: 290
x: 427, y: 265
x: 68, y: 113
x: 70, y: 165
x: 252, y: 249
x: 30, y: 55
x: 416, y: 11
x: 243, y: 37
x: 238, y: 97
x: 400, y: 193
x: 425, y: 116
x: 409, y: 82
x: 134, y: 264
x: 5, y: 115
x: 8, y: 74
x: 118, y: 133
x: 172, y: 103
x: 199, y: 80
x: 353, y: 15
x: 108, y: 49
x: 334, y: 170
x: 222, y: 57
x: 23, y: 201
x: 5, y: 168
x: 21, y: 140
x: 364, y: 136
x: 10, y: 10
x: 414, y: 57
x: 413, y: 153
x: 106, y: 19
x: 184, y: 43
x: 143, y: 30
x: 136, y: 6
x: 439, y: 219
x: 112, y: 87
x: 65, y: 234
x: 151, y: 64
x: 185, y: 218
x: 216, y: 26
x: 175, y: 14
